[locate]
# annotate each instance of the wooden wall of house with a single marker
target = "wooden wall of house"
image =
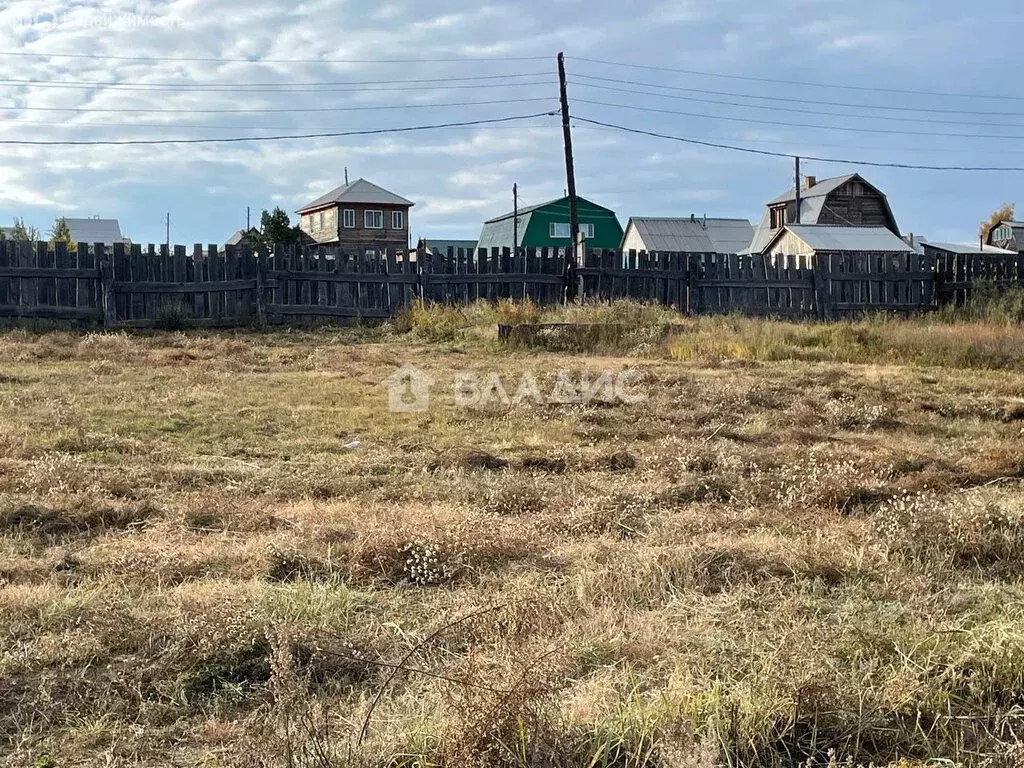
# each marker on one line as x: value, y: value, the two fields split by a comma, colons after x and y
x: 632, y: 241
x: 790, y: 245
x: 855, y: 204
x: 360, y: 238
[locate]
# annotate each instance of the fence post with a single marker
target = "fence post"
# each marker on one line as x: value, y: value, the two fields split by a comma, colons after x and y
x: 422, y: 270
x: 692, y: 267
x: 574, y: 287
x: 822, y: 295
x: 105, y: 268
x: 261, y: 299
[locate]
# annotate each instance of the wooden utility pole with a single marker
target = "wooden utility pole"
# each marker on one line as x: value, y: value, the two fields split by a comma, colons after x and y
x: 168, y: 230
x: 570, y: 171
x: 515, y: 217
x: 570, y: 180
x: 797, y: 221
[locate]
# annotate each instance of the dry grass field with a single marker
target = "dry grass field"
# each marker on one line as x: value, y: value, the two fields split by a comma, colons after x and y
x: 803, y: 548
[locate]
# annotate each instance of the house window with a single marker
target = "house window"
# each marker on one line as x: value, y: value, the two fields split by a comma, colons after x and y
x: 397, y: 220
x: 332, y: 217
x: 373, y: 219
x: 320, y: 221
x: 348, y: 218
x: 778, y: 216
x: 558, y: 230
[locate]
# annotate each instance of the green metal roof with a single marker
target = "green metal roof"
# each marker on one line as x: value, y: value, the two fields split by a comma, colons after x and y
x: 559, y: 201
x: 535, y: 223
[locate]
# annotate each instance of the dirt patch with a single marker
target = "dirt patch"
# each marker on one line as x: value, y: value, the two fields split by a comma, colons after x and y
x: 482, y: 460
x: 543, y: 464
x: 45, y: 522
x: 621, y: 461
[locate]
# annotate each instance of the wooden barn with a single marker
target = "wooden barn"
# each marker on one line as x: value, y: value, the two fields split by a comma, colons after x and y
x: 1007, y: 235
x: 844, y: 201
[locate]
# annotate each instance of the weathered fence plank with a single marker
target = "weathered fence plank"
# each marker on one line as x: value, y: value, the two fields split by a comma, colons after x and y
x: 120, y: 285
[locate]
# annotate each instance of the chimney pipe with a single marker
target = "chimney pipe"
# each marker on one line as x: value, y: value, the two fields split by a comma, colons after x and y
x: 810, y: 181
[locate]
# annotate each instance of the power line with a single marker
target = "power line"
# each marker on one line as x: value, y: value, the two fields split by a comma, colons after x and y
x: 156, y: 126
x: 278, y: 110
x: 805, y: 83
x: 252, y: 60
x: 198, y: 88
x: 775, y: 108
x: 782, y: 99
x: 844, y: 146
x: 315, y: 83
x: 807, y: 125
x: 768, y: 153
x: 239, y: 139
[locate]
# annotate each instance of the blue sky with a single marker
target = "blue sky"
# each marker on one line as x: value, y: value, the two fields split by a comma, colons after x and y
x: 460, y: 176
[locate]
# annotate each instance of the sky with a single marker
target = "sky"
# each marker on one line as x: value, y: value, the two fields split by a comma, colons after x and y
x: 922, y: 82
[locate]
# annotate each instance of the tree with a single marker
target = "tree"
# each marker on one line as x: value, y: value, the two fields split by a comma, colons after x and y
x: 61, y: 233
x: 1004, y: 213
x: 23, y: 234
x: 276, y: 227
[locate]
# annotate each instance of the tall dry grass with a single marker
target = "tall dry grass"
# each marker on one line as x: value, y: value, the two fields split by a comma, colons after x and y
x: 764, y: 563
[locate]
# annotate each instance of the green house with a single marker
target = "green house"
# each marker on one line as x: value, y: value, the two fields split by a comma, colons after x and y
x: 547, y: 226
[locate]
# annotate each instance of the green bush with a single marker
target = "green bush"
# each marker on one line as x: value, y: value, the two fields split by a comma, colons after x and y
x: 172, y: 316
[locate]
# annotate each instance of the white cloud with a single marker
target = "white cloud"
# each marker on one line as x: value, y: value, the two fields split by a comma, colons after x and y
x: 457, y: 176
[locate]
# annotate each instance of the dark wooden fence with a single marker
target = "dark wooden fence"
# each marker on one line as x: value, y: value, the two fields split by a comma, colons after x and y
x: 125, y: 286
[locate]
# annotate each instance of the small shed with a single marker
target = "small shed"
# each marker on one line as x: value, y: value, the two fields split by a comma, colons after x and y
x: 687, y: 235
x: 441, y: 246
x: 930, y: 247
x: 810, y: 240
x: 244, y: 237
x: 95, y: 230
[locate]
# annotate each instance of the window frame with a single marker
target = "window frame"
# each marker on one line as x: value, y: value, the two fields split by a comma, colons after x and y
x: 320, y: 221
x: 345, y: 217
x: 375, y: 213
x: 552, y: 232
x: 587, y: 229
x: 398, y: 216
